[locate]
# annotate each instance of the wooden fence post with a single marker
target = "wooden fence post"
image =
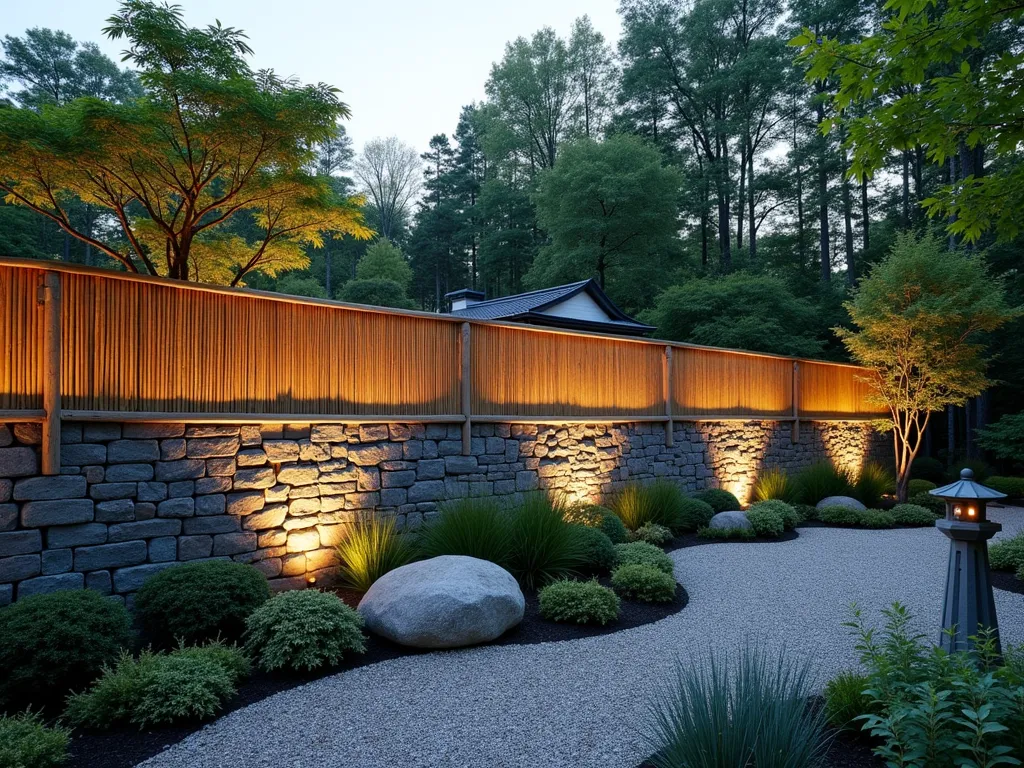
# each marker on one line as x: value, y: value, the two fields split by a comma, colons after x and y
x: 466, y: 394
x: 795, y: 436
x: 50, y: 449
x: 666, y: 367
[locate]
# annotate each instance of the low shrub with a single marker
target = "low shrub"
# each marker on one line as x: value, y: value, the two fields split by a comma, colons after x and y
x: 1020, y: 573
x: 981, y: 470
x: 927, y: 468
x: 578, y: 602
x: 726, y: 534
x: 875, y: 518
x: 773, y: 483
x: 303, y: 630
x: 183, y: 688
x: 652, y: 533
x: 821, y: 480
x: 926, y: 500
x: 916, y: 486
x: 718, y: 499
x: 25, y: 742
x: 230, y: 657
x: 612, y: 527
x: 1011, y: 486
x: 371, y: 549
x: 471, y: 527
x: 911, y: 514
x: 790, y: 517
x: 856, y: 518
x: 765, y: 521
x: 659, y: 502
x: 742, y: 709
x: 1007, y: 554
x: 602, y: 518
x: 196, y: 602
x: 872, y: 483
x: 642, y: 553
x: 54, y: 643
x: 806, y: 512
x: 644, y: 583
x: 598, y: 550
x: 544, y: 546
x: 694, y: 514
x: 845, y: 700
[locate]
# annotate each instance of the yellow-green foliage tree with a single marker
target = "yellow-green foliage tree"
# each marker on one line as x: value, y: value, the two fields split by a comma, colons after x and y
x: 918, y: 319
x: 206, y: 173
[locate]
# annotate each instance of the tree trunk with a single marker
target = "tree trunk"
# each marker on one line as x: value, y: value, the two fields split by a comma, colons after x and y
x: 950, y: 435
x: 865, y: 216
x: 823, y: 236
x: 327, y: 273
x: 741, y: 198
x: 752, y: 238
x: 906, y: 189
x: 847, y: 213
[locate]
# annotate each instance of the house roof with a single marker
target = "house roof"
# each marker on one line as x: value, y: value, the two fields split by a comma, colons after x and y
x: 530, y: 308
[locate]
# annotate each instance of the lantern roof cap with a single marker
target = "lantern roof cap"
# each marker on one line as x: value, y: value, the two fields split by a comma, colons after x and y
x: 966, y: 488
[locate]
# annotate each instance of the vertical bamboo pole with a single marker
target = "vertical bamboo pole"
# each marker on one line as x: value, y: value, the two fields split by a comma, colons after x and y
x: 466, y: 390
x: 51, y: 374
x: 795, y: 436
x: 666, y: 378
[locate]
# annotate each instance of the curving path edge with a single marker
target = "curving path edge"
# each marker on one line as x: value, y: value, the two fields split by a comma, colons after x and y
x: 582, y: 703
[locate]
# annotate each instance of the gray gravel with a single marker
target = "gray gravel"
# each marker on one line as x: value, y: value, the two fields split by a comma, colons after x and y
x: 582, y: 703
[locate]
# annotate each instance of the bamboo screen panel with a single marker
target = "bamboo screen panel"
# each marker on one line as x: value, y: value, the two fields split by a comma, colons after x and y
x: 711, y: 382
x: 138, y: 346
x: 21, y: 339
x: 528, y: 373
x: 835, y: 391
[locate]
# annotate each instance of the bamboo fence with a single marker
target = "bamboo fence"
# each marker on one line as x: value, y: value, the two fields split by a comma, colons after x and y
x: 88, y: 344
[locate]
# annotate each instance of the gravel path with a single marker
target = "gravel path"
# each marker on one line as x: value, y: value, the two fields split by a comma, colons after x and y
x: 582, y: 703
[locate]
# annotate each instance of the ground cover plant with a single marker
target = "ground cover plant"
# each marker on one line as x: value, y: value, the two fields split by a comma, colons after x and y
x: 197, y: 602
x: 642, y: 553
x: 727, y: 534
x: 718, y: 499
x: 55, y: 643
x: 652, y: 533
x: 644, y: 583
x: 1011, y: 486
x: 578, y: 602
x: 25, y: 742
x: 371, y: 549
x: 912, y: 515
x: 303, y: 630
x: 790, y: 517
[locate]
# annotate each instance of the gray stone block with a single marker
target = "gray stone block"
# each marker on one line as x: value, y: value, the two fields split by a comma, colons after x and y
x: 180, y: 507
x: 145, y: 510
x: 393, y: 497
x: 214, y: 504
x: 155, y: 491
x: 245, y: 503
x: 20, y: 543
x: 18, y: 461
x: 99, y: 432
x: 107, y: 556
x: 184, y: 469
x: 194, y: 547
x: 44, y: 584
x: 83, y: 453
x: 430, y: 469
x: 163, y: 550
x: 56, y: 561
x: 371, y: 454
x: 173, y: 449
x: 130, y: 579
x: 211, y: 430
x: 131, y: 451
x: 460, y: 465
x: 50, y: 487
x: 270, y: 516
x: 254, y: 477
x: 99, y: 581
x: 426, y: 490
x: 527, y: 480
x: 153, y: 431
x: 180, y: 488
x: 36, y: 514
x: 18, y: 567
x: 281, y: 451
x: 128, y: 473
x: 81, y: 535
x: 233, y: 543
x: 221, y: 467
x: 70, y: 434
x: 115, y: 511
x: 217, y: 524
x: 206, y: 485
x: 143, y: 529
x: 8, y: 517
x: 212, y: 447
x: 107, y: 491
x: 450, y: 448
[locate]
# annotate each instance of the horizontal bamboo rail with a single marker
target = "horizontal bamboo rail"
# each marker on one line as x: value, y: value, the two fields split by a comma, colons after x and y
x: 84, y: 344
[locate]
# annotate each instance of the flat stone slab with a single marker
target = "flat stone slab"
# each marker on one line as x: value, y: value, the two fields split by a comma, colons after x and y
x: 730, y: 519
x: 444, y: 602
x: 840, y: 501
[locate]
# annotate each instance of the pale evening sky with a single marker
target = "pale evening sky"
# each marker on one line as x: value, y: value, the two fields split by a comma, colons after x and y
x: 405, y: 67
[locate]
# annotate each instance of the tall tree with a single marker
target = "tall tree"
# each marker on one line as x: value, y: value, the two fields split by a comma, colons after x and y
x: 389, y: 174
x: 591, y: 60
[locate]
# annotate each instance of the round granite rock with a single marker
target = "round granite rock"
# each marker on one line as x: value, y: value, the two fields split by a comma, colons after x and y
x: 840, y: 501
x: 731, y: 519
x: 444, y: 602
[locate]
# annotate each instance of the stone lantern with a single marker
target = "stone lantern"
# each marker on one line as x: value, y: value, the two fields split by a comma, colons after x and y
x: 969, y: 604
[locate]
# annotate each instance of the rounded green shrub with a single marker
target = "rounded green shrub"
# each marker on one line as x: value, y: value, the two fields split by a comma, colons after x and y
x: 926, y: 500
x: 183, y: 688
x: 839, y: 515
x: 927, y: 468
x: 806, y: 512
x: 1007, y: 554
x: 302, y: 631
x: 790, y: 517
x: 875, y: 518
x: 916, y: 486
x: 652, y: 533
x: 718, y: 499
x: 26, y: 743
x: 766, y: 522
x: 981, y: 470
x: 642, y: 553
x: 601, y: 518
x: 599, y: 552
x: 911, y: 514
x: 1020, y: 573
x: 578, y: 602
x: 845, y: 700
x: 196, y: 602
x: 230, y: 657
x: 614, y: 528
x: 644, y: 583
x: 694, y: 514
x: 1011, y: 486
x: 54, y: 643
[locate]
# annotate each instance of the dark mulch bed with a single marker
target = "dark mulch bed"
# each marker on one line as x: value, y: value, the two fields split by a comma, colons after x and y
x: 123, y: 748
x: 1008, y: 581
x: 693, y: 540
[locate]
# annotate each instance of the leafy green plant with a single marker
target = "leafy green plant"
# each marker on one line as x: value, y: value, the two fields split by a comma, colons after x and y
x: 644, y: 583
x: 939, y: 709
x: 916, y: 486
x: 845, y: 700
x: 25, y: 742
x: 614, y: 528
x: 790, y: 517
x: 856, y: 518
x: 911, y: 514
x: 980, y: 469
x: 806, y: 512
x: 727, y: 534
x: 694, y: 514
x: 766, y: 522
x: 471, y: 527
x: 54, y: 643
x: 371, y: 549
x: 578, y: 602
x: 196, y: 602
x: 303, y: 630
x: 544, y: 546
x: 774, y: 483
x: 1007, y: 554
x: 659, y: 502
x: 231, y: 657
x: 1011, y: 486
x: 642, y: 553
x: 598, y: 550
x: 873, y: 482
x: 1004, y: 437
x: 718, y: 499
x: 183, y: 688
x: 743, y: 709
x: 875, y: 518
x: 927, y: 468
x: 602, y: 518
x: 926, y: 500
x: 652, y: 533
x: 821, y: 480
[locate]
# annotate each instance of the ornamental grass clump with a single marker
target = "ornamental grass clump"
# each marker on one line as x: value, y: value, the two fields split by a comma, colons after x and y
x: 25, y: 742
x: 774, y: 483
x: 578, y: 602
x: 845, y: 700
x: 642, y: 553
x: 821, y: 480
x: 543, y: 546
x: 873, y: 482
x: 644, y: 583
x: 659, y: 502
x: 748, y: 708
x: 718, y: 499
x: 371, y: 549
x: 652, y: 533
x: 471, y: 527
x: 302, y: 631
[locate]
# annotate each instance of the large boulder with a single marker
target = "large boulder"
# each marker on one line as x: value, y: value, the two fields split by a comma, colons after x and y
x: 732, y: 519
x: 840, y: 501
x: 444, y: 602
